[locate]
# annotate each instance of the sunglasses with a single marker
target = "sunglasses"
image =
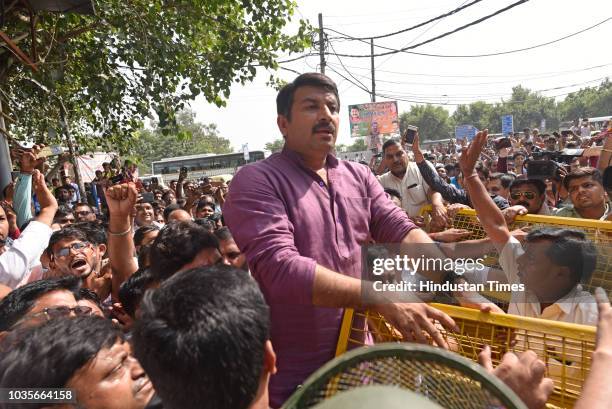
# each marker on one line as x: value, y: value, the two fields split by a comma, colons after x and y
x: 528, y: 195
x: 83, y: 213
x: 65, y: 251
x: 64, y: 311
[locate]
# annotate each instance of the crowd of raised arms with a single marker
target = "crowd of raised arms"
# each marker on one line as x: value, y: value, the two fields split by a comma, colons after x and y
x: 229, y: 295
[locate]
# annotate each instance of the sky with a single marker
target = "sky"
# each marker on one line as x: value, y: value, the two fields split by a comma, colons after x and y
x: 571, y: 64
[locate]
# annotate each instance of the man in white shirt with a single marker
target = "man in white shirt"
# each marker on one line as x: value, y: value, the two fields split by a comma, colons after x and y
x: 17, y: 261
x: 404, y: 176
x: 552, y: 265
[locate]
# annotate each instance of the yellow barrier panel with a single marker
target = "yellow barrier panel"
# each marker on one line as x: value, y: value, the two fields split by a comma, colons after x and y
x: 565, y: 348
x: 599, y: 232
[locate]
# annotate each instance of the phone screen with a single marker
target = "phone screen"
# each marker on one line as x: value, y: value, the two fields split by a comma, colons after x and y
x: 411, y: 132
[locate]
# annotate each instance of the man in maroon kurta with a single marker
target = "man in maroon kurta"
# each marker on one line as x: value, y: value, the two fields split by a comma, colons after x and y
x: 300, y: 217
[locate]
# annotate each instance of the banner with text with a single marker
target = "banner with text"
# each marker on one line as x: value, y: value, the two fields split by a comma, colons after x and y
x: 374, y: 118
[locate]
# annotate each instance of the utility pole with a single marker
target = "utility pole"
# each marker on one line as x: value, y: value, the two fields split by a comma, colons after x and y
x: 321, y: 43
x: 373, y: 77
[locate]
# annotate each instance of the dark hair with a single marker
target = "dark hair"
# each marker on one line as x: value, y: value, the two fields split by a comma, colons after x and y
x: 481, y: 168
x: 132, y: 290
x: 167, y: 193
x: 68, y: 232
x: 62, y: 211
x: 177, y: 244
x: 206, y: 223
x: 18, y: 302
x: 87, y: 294
x: 169, y: 209
x: 223, y: 234
x: 504, y: 178
x: 80, y: 204
x: 389, y: 143
x: 394, y: 193
x: 211, y: 323
x: 539, y: 185
x: 593, y: 173
x: 142, y: 231
x: 48, y: 355
x: 203, y: 203
x: 94, y: 232
x: 570, y: 248
x: 284, y: 99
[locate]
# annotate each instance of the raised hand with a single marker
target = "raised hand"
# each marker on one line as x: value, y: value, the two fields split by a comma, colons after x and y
x: 121, y: 199
x: 469, y: 156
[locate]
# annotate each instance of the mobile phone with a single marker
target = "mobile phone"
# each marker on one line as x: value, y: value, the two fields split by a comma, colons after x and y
x: 541, y: 169
x: 184, y: 170
x: 411, y: 132
x: 147, y: 197
x: 503, y: 142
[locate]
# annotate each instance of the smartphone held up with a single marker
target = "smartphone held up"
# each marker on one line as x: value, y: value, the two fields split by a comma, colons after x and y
x: 410, y: 134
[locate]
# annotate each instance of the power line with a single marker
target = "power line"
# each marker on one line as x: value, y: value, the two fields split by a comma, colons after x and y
x: 463, y: 27
x: 421, y: 101
x: 405, y: 50
x: 485, y: 96
x: 457, y: 10
x: 431, y: 27
x: 536, y: 77
x: 341, y: 63
x: 482, y: 76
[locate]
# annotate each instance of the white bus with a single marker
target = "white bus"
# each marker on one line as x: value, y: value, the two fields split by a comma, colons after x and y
x: 202, y: 165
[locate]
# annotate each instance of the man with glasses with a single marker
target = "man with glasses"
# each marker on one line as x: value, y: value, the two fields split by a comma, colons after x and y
x: 40, y: 301
x: 527, y: 196
x: 404, y: 177
x: 71, y: 252
x: 84, y: 213
x: 551, y: 266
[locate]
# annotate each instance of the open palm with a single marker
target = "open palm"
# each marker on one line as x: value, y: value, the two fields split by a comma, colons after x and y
x: 469, y: 156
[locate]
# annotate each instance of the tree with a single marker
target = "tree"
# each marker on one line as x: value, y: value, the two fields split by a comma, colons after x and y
x: 275, y: 146
x: 588, y: 102
x: 358, y: 146
x: 192, y: 138
x: 131, y: 58
x: 433, y: 121
x: 479, y: 113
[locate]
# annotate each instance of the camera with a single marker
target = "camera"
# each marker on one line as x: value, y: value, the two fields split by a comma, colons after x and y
x: 546, y: 165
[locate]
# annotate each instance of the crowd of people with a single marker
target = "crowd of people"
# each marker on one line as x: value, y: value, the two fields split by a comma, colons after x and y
x: 199, y: 294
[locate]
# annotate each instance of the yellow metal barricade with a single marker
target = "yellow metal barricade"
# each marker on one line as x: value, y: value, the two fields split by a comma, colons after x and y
x: 565, y: 348
x: 599, y: 232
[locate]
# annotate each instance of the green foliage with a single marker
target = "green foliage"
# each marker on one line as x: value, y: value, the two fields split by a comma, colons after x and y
x: 358, y: 146
x: 192, y: 138
x: 132, y: 58
x: 433, y: 122
x: 588, y: 102
x: 527, y: 107
x: 275, y: 146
